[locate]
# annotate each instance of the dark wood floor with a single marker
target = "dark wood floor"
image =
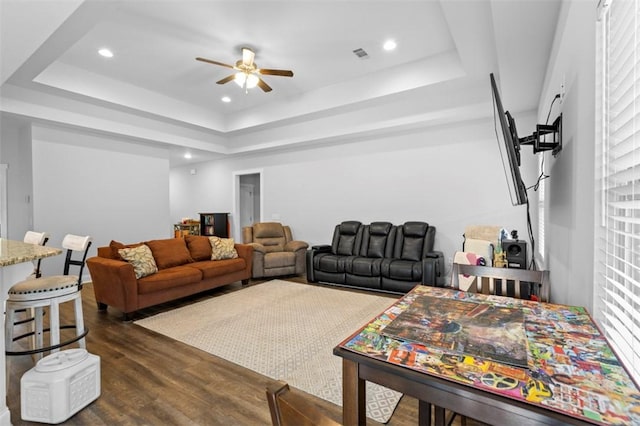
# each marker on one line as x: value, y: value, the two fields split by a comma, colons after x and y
x: 150, y: 379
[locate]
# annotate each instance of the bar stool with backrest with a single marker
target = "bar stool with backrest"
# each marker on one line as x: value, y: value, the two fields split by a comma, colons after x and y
x: 50, y: 291
x: 38, y: 238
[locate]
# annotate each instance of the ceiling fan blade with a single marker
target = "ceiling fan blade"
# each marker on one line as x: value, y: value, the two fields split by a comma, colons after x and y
x: 282, y: 73
x: 247, y: 56
x: 264, y: 86
x: 209, y: 61
x: 226, y: 79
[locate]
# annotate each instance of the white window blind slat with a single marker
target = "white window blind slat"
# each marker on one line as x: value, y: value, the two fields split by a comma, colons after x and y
x: 626, y: 204
x: 627, y: 292
x: 628, y: 235
x: 617, y: 292
x: 623, y: 176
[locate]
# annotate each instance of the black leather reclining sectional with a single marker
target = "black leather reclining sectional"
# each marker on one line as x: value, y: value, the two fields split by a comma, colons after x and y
x: 379, y: 256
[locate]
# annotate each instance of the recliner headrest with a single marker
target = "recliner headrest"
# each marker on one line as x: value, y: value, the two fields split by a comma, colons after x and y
x: 349, y: 227
x: 268, y: 230
x: 415, y: 229
x: 380, y: 228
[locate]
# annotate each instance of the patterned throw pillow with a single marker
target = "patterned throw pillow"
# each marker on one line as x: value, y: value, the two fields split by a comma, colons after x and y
x: 141, y: 258
x: 222, y: 248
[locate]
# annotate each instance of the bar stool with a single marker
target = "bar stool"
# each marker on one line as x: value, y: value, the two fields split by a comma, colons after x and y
x: 38, y: 238
x: 50, y: 292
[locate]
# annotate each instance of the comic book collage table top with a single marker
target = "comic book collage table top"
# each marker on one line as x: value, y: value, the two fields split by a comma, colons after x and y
x: 548, y: 355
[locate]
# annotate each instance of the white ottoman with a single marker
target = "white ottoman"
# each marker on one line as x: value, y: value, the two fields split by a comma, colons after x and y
x: 60, y: 385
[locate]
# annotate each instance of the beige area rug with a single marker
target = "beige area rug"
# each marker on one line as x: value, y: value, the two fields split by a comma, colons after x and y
x: 283, y: 330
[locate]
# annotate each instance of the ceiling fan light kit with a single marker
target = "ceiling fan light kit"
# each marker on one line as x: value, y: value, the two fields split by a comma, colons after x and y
x: 246, y: 80
x: 248, y: 72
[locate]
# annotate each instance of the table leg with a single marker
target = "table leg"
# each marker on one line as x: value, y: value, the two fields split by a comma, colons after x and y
x: 424, y: 413
x: 354, y: 410
x: 439, y: 416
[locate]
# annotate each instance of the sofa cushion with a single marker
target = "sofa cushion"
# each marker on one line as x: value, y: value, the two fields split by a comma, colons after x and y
x: 346, y: 238
x: 279, y: 260
x: 327, y: 262
x: 210, y: 269
x: 364, y: 266
x: 116, y: 245
x: 404, y: 270
x: 169, y: 278
x: 414, y: 240
x: 222, y: 248
x: 377, y: 239
x: 199, y: 247
x: 170, y: 252
x: 141, y: 259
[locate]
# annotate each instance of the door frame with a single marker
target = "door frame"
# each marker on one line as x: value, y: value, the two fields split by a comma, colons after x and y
x: 4, y: 206
x: 235, y: 214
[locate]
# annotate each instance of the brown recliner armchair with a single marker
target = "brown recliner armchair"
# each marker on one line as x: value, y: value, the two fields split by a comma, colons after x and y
x: 275, y: 253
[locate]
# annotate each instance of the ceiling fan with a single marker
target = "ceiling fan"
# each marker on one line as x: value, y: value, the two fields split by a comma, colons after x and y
x: 248, y: 71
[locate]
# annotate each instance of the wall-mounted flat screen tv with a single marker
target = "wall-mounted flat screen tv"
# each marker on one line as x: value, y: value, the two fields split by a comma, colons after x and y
x: 509, y: 148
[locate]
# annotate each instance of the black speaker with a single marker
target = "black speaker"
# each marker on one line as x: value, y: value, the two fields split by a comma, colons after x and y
x: 516, y: 253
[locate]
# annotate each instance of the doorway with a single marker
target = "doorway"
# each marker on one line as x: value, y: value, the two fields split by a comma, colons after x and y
x: 247, y: 210
x: 247, y: 200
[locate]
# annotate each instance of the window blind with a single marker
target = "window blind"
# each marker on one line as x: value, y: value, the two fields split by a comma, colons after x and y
x: 617, y: 301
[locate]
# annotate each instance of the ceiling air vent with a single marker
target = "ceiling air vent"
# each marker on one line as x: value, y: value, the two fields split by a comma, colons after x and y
x: 360, y: 53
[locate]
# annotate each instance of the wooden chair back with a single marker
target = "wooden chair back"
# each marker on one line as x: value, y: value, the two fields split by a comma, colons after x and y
x: 289, y: 408
x: 540, y: 279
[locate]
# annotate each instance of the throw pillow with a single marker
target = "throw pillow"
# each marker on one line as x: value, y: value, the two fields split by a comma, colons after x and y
x: 222, y: 248
x: 199, y: 247
x: 117, y: 245
x: 170, y: 252
x: 141, y: 258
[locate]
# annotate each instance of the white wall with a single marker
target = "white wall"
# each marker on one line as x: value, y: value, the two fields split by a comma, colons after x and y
x: 15, y: 151
x: 571, y: 186
x: 449, y: 176
x: 88, y: 184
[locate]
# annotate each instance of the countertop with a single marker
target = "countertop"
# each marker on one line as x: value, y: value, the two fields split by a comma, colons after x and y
x: 12, y: 252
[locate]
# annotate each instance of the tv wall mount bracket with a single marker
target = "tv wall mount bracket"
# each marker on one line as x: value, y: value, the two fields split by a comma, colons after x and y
x: 546, y: 137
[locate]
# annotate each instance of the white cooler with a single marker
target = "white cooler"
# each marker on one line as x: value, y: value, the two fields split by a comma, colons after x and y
x: 60, y: 385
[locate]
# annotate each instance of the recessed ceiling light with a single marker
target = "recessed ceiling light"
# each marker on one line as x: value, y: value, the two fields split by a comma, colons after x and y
x: 389, y: 45
x: 226, y: 99
x: 106, y: 53
x: 187, y: 156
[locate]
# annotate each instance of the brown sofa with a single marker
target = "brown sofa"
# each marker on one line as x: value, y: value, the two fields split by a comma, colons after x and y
x: 184, y: 268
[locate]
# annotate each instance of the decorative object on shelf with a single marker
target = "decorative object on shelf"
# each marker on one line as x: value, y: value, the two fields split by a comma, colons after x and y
x: 214, y: 224
x: 186, y: 227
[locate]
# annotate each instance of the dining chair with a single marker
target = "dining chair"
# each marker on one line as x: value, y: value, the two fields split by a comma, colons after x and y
x: 50, y: 291
x: 496, y: 281
x: 290, y: 408
x: 492, y: 280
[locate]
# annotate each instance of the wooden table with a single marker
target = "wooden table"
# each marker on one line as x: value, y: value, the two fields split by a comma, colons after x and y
x: 15, y: 265
x: 564, y: 382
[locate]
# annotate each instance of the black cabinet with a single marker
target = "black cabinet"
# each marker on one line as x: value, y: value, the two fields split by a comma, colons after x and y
x: 214, y: 224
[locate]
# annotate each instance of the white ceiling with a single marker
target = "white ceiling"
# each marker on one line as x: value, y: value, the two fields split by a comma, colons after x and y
x: 154, y: 91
